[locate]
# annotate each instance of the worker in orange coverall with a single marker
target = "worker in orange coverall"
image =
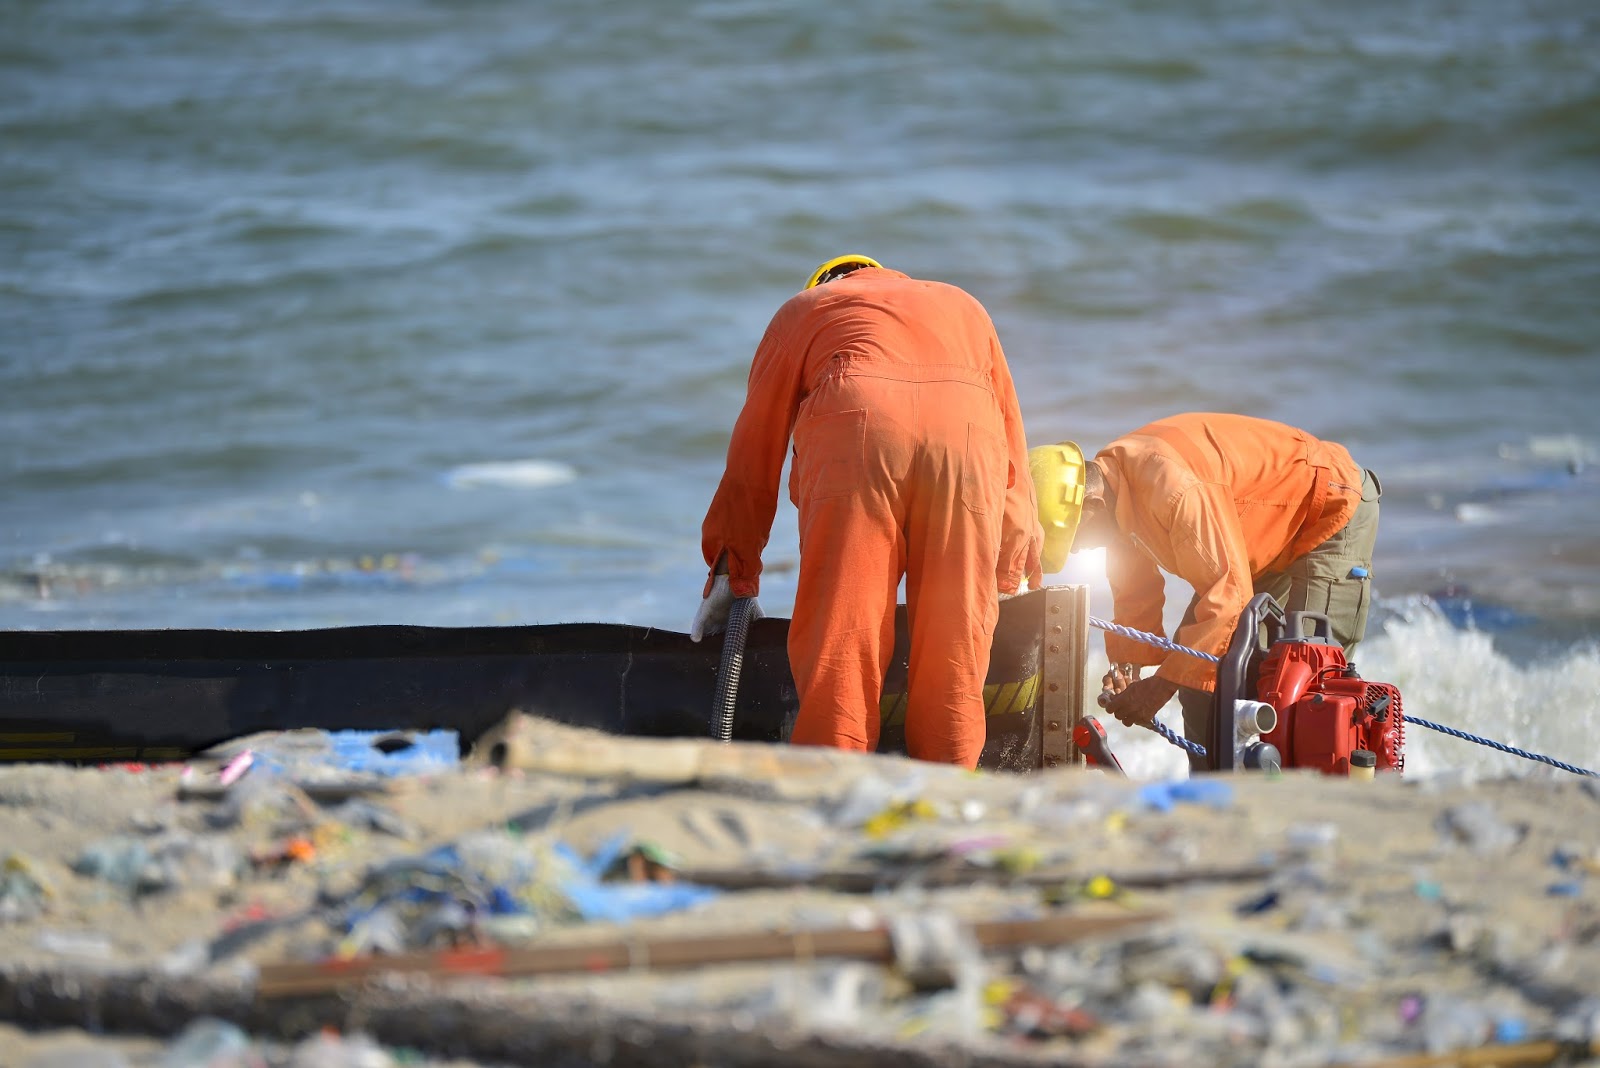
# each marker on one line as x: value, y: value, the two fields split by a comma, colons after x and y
x: 909, y: 459
x: 1233, y: 506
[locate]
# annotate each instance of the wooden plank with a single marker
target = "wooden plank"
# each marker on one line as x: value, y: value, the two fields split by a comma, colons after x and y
x: 493, y: 1023
x: 1498, y: 1056
x: 873, y: 944
x: 867, y: 880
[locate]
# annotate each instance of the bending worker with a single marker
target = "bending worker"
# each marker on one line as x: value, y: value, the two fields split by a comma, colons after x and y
x: 1232, y: 505
x: 908, y: 460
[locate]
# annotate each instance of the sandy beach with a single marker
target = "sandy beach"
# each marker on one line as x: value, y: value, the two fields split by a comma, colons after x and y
x: 1244, y: 920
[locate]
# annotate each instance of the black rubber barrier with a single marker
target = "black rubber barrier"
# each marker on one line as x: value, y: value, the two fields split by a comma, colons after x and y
x: 164, y: 694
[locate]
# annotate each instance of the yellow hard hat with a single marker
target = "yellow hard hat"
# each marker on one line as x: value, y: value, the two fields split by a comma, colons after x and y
x: 1059, y: 481
x: 839, y: 261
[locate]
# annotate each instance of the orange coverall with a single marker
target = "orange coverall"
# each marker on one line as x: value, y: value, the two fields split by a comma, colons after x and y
x: 908, y: 444
x: 1217, y: 500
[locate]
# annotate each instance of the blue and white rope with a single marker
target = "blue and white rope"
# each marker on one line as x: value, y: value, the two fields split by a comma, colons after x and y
x: 1151, y: 639
x: 1199, y: 750
x: 1193, y: 748
x: 1501, y: 746
x: 1177, y: 739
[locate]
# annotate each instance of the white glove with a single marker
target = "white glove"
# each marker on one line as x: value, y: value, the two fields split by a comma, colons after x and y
x: 712, y: 616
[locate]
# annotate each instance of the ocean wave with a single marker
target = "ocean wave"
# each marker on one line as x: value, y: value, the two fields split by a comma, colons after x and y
x: 1176, y: 226
x: 512, y: 474
x: 221, y: 463
x: 1459, y: 678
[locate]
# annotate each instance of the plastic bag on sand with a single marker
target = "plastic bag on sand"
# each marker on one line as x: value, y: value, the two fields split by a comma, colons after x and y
x: 211, y: 1043
x: 597, y: 900
x: 1162, y: 796
x: 340, y: 1051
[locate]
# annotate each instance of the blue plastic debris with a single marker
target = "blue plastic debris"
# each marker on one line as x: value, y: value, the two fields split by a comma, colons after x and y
x: 1162, y: 796
x: 368, y: 752
x: 1564, y: 858
x: 428, y: 751
x: 617, y: 902
x: 597, y: 900
x: 1429, y: 890
x: 1256, y: 905
x: 451, y: 889
x: 1509, y: 1029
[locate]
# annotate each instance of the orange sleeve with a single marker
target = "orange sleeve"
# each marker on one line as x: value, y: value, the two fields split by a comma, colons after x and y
x: 1020, y: 533
x: 739, y: 520
x: 1138, y: 593
x: 1209, y: 554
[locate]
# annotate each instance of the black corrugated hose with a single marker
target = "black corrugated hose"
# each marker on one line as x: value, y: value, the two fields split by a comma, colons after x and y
x: 730, y: 669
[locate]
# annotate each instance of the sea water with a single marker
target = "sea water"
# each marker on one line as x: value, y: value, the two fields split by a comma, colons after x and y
x: 425, y: 312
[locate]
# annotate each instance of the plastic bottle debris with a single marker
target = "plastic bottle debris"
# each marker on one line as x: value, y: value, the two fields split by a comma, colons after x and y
x: 931, y: 948
x: 869, y: 795
x: 1476, y: 825
x: 327, y: 1050
x: 1581, y: 1023
x: 829, y: 996
x: 83, y: 945
x: 234, y: 769
x: 24, y: 893
x: 1452, y: 1023
x: 189, y: 958
x: 123, y: 862
x: 380, y: 930
x: 1312, y: 838
x: 211, y: 1043
x: 367, y: 816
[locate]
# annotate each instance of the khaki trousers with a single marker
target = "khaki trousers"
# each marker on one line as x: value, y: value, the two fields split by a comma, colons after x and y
x: 1329, y: 579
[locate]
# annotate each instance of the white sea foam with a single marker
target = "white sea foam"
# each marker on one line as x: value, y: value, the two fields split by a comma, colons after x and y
x: 1458, y: 678
x: 516, y: 474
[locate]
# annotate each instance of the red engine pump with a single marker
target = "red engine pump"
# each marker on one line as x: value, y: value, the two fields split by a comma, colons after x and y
x: 1326, y: 711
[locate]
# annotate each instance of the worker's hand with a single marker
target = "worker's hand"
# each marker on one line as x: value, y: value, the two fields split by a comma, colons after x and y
x: 1118, y: 678
x: 712, y: 616
x: 1138, y: 703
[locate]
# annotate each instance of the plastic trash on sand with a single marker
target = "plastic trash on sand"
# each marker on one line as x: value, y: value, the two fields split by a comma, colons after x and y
x: 327, y: 1050
x: 24, y: 893
x: 451, y: 894
x: 597, y: 900
x: 1164, y: 796
x: 384, y: 753
x: 142, y: 866
x: 207, y: 1042
x: 1476, y: 825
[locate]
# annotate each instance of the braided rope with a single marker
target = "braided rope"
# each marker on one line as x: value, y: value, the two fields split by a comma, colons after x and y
x: 1199, y: 750
x: 1150, y: 639
x: 1501, y: 746
x: 1177, y: 739
x: 1193, y: 748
